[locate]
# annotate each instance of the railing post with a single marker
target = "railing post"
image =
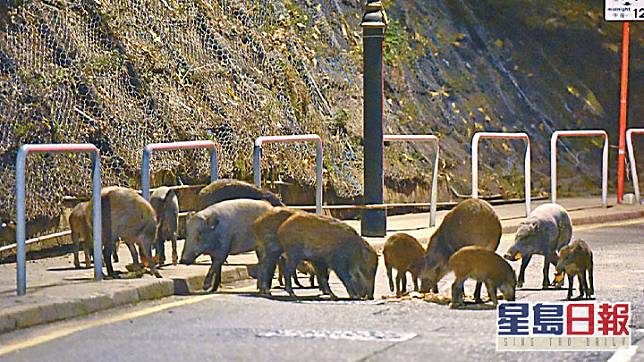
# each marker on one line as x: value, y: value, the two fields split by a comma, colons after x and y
x: 21, y: 263
x: 257, y: 169
x: 631, y: 158
x: 318, y: 177
x: 145, y: 172
x: 97, y: 216
x: 475, y: 166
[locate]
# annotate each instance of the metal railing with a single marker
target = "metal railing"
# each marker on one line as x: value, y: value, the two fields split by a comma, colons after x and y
x: 553, y: 159
x: 475, y: 162
x: 435, y: 141
x: 184, y: 145
x: 21, y: 159
x: 257, y: 155
x: 631, y: 158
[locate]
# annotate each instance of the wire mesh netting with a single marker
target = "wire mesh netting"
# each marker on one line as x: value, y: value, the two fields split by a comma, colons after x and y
x: 122, y: 74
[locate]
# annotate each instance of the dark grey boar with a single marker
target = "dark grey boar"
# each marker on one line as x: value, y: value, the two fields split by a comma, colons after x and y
x: 547, y: 229
x: 329, y: 244
x: 576, y: 259
x: 220, y: 230
x: 471, y: 222
x: 483, y: 266
x: 403, y: 253
x: 165, y: 203
x: 129, y: 217
x: 229, y: 189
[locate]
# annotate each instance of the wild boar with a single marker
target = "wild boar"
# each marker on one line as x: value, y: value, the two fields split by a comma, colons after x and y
x: 220, y: 230
x: 129, y: 217
x: 547, y: 229
x: 229, y: 189
x: 82, y: 231
x: 403, y: 253
x: 268, y: 247
x: 329, y: 244
x: 483, y: 266
x: 165, y: 203
x: 576, y: 258
x: 471, y: 222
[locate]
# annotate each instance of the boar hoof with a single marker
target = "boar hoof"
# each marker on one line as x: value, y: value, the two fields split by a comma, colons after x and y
x: 456, y: 305
x: 519, y: 284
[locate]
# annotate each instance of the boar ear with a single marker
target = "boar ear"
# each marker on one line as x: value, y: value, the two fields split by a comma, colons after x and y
x: 212, y: 223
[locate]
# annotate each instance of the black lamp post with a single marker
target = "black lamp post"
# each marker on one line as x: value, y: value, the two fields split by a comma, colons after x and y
x: 374, y: 23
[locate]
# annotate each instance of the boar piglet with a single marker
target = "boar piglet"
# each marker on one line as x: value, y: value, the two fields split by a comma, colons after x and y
x: 576, y: 259
x: 405, y: 254
x: 471, y: 222
x: 483, y: 266
x: 220, y: 230
x: 546, y: 230
x: 165, y: 203
x: 329, y: 244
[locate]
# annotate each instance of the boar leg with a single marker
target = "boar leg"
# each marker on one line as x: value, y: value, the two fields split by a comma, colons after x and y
x: 414, y: 279
x: 457, y: 292
x: 322, y: 271
x: 477, y: 292
x: 145, y: 245
x: 390, y: 277
x: 570, y: 279
x: 134, y: 253
x: 398, y: 282
x: 267, y: 270
x: 524, y: 264
x: 404, y: 282
x: 87, y: 250
x: 215, y: 270
x: 583, y: 285
x: 491, y: 292
x: 590, y: 277
x: 296, y: 280
x: 290, y: 264
x: 107, y: 258
x: 312, y: 280
x: 175, y: 255
x: 546, y: 272
x: 76, y: 250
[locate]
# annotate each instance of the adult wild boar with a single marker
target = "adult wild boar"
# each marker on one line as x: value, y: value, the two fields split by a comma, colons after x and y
x: 229, y: 189
x: 129, y: 217
x: 471, y: 222
x: 220, y: 230
x: 547, y: 229
x: 165, y: 203
x: 329, y: 244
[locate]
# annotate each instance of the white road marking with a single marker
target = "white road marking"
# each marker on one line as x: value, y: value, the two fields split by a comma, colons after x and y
x: 363, y: 336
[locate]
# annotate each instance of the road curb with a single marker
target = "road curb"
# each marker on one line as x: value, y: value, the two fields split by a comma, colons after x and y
x: 40, y: 313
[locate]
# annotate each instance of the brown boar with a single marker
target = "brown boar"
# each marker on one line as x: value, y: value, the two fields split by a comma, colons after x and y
x: 471, y: 222
x: 229, y: 189
x: 268, y: 247
x: 329, y: 244
x: 403, y: 253
x: 484, y: 266
x: 129, y: 217
x: 576, y: 259
x: 80, y: 230
x: 165, y: 203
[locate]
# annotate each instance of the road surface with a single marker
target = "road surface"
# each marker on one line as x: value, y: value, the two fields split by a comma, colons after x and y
x: 236, y: 324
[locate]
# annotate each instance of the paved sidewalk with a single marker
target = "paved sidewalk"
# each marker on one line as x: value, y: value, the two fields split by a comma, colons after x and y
x: 55, y: 290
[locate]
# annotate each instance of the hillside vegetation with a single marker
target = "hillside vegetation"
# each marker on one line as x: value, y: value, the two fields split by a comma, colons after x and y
x: 122, y: 74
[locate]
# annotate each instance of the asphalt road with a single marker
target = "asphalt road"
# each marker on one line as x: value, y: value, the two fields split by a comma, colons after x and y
x: 236, y: 324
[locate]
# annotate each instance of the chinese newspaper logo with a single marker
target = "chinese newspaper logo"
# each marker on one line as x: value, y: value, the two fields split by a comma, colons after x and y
x: 563, y: 326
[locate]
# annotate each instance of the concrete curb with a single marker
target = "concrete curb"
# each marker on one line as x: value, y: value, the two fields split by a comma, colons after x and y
x: 40, y: 313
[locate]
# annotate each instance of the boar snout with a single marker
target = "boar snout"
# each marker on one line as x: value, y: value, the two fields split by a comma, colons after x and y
x: 512, y: 254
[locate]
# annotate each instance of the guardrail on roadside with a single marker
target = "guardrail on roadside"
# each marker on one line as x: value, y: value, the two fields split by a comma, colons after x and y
x: 423, y: 138
x: 21, y: 159
x: 170, y: 146
x: 631, y: 158
x: 475, y: 162
x: 257, y: 156
x: 553, y: 159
